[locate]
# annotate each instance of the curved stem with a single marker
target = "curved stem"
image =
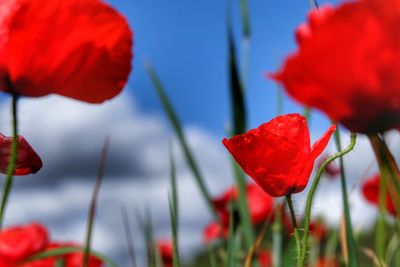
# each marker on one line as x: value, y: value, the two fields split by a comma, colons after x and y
x: 296, y: 232
x: 12, y: 162
x: 311, y: 193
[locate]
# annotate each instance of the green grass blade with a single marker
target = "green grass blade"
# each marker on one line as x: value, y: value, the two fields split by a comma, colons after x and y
x: 174, y: 188
x: 93, y: 203
x: 176, y: 259
x: 67, y: 250
x: 146, y: 227
x: 245, y: 14
x: 231, y: 240
x: 60, y: 263
x: 128, y: 235
x: 351, y: 245
x: 239, y: 122
x: 173, y: 118
x: 213, y: 261
x: 174, y: 210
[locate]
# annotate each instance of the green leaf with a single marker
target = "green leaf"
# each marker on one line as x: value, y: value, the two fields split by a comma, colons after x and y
x: 173, y: 118
x: 67, y: 250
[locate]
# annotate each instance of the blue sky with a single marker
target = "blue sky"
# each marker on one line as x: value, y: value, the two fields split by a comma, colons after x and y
x: 186, y: 42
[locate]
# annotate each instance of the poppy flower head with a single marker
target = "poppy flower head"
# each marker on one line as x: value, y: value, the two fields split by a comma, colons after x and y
x: 79, y: 49
x: 166, y: 250
x: 348, y: 64
x: 19, y: 242
x: 323, y: 262
x: 28, y: 160
x: 370, y: 189
x: 277, y: 154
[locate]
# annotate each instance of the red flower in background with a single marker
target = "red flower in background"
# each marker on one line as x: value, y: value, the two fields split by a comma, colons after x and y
x: 277, y: 154
x: 260, y: 206
x: 76, y: 48
x: 166, y: 250
x: 265, y: 258
x: 18, y: 243
x: 370, y: 190
x: 322, y: 262
x: 27, y: 159
x: 348, y: 64
x: 318, y: 230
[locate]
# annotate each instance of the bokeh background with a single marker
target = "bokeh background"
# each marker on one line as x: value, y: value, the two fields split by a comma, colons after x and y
x: 186, y: 41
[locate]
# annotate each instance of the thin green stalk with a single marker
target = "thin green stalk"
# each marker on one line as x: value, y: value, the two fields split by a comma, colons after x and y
x: 312, y: 191
x: 296, y: 232
x: 176, y: 124
x: 380, y: 231
x: 351, y: 244
x: 93, y: 202
x: 277, y: 238
x: 13, y: 159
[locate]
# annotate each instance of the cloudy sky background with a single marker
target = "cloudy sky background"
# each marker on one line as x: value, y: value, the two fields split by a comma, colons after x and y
x: 186, y: 42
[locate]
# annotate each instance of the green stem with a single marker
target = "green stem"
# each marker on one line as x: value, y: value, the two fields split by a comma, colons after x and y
x: 352, y: 261
x: 277, y: 238
x: 311, y: 193
x: 12, y: 162
x: 296, y: 232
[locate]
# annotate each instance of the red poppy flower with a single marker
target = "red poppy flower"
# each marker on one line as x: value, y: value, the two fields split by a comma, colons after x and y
x: 19, y: 242
x: 322, y: 262
x: 370, y: 190
x: 76, y: 48
x: 277, y: 154
x: 166, y: 250
x: 27, y: 159
x: 318, y: 230
x: 214, y: 231
x: 265, y: 258
x: 260, y: 206
x: 348, y: 64
x: 75, y: 259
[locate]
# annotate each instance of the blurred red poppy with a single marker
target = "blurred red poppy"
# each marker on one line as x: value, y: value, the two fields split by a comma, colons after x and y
x: 77, y: 48
x: 277, y: 154
x: 215, y: 231
x: 318, y: 230
x: 73, y: 259
x: 265, y: 258
x: 348, y: 64
x: 19, y: 242
x: 322, y: 262
x: 370, y: 190
x: 260, y: 206
x: 166, y: 250
x: 27, y: 159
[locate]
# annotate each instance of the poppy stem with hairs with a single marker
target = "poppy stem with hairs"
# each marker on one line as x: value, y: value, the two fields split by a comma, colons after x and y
x: 13, y: 159
x: 296, y: 232
x: 310, y: 196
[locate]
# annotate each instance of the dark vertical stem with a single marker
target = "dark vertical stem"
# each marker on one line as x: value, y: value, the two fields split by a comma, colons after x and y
x: 93, y: 203
x: 128, y: 234
x: 13, y: 160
